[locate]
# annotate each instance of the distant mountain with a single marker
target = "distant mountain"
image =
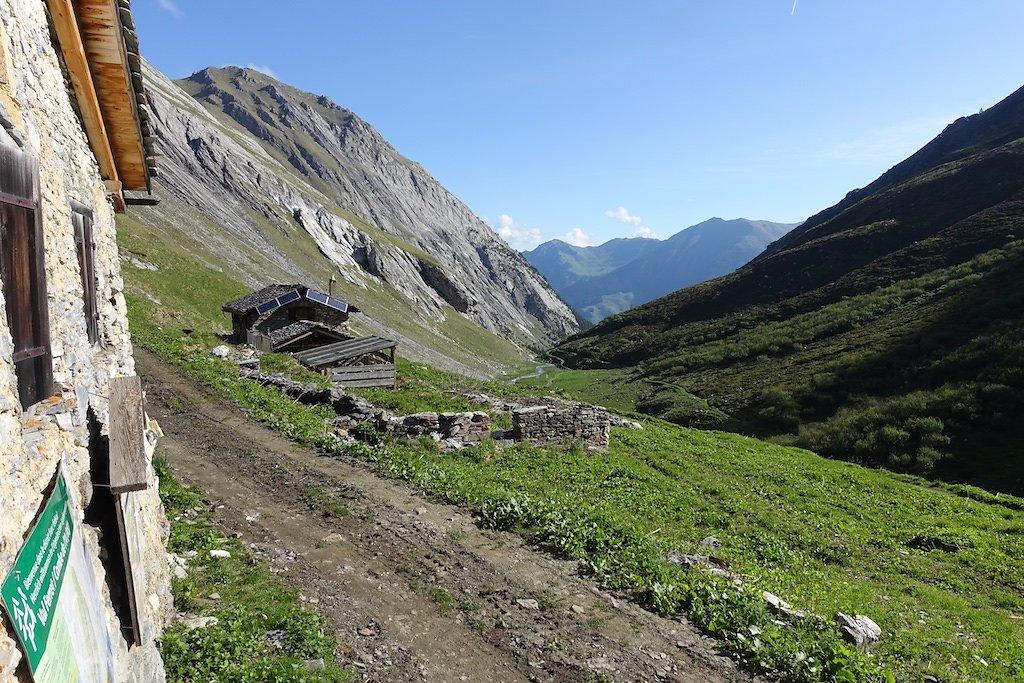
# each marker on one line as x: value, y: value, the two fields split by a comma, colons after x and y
x: 622, y: 273
x: 265, y: 182
x: 887, y: 329
x: 564, y: 265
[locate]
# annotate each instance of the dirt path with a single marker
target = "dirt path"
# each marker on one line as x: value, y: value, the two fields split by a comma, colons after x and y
x: 414, y: 589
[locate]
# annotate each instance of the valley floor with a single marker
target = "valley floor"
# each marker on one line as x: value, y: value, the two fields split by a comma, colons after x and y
x: 414, y: 590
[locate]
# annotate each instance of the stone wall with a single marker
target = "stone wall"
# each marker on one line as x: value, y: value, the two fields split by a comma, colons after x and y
x: 560, y: 426
x: 464, y: 428
x: 37, y: 117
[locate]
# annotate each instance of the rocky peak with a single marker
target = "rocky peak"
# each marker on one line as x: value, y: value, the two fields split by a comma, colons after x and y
x: 236, y: 143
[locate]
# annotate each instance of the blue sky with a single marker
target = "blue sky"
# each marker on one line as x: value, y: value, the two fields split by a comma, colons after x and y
x: 591, y: 120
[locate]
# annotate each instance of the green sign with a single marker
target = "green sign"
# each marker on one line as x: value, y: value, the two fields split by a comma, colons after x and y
x: 31, y: 590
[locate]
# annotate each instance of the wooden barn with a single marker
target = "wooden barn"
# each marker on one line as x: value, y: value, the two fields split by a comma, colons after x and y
x: 361, y: 362
x: 288, y: 318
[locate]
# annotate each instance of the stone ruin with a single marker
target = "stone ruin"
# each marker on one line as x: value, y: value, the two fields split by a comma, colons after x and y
x: 559, y: 423
x: 470, y: 427
x: 451, y: 429
x: 552, y: 425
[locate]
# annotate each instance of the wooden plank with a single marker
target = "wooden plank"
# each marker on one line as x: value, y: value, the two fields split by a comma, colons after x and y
x: 350, y: 348
x: 371, y: 370
x: 129, y: 470
x: 364, y: 383
x: 130, y: 531
x: 101, y: 35
x: 365, y: 376
x: 349, y: 376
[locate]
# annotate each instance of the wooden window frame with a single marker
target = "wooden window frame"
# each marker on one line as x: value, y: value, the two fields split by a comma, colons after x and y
x: 23, y: 271
x: 85, y: 246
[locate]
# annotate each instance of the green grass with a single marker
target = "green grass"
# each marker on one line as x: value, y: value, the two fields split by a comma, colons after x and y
x: 283, y: 364
x: 325, y: 502
x: 446, y: 604
x: 824, y: 535
x: 612, y: 389
x: 252, y: 601
x: 913, y: 375
x: 421, y: 389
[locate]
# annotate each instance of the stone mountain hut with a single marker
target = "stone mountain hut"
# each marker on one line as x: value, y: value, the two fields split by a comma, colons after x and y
x: 84, y: 581
x: 288, y: 318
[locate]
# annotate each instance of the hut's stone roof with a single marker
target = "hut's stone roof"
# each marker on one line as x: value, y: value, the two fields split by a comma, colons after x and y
x: 250, y: 301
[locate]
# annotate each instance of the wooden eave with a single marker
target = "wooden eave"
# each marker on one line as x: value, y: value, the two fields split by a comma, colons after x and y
x: 92, y: 36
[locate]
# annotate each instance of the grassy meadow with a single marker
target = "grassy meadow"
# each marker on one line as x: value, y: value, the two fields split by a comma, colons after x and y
x: 939, y: 568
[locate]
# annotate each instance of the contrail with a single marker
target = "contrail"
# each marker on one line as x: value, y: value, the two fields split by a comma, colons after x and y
x: 793, y: 11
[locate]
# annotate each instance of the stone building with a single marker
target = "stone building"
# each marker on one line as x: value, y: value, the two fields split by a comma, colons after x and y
x: 288, y: 318
x: 74, y: 443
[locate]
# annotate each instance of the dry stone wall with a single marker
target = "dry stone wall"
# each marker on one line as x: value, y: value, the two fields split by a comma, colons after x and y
x: 464, y: 428
x: 37, y: 117
x: 551, y: 425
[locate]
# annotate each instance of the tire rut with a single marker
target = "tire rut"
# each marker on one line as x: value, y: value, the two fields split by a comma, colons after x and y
x: 413, y: 589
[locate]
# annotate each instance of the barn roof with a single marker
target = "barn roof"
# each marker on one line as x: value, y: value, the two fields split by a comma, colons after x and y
x: 274, y: 296
x: 343, y: 350
x: 250, y: 301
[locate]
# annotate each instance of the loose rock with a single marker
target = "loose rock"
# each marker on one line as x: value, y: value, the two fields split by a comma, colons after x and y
x: 858, y: 630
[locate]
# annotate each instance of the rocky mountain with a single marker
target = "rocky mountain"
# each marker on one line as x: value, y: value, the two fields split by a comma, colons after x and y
x: 265, y: 182
x: 887, y: 329
x: 620, y: 274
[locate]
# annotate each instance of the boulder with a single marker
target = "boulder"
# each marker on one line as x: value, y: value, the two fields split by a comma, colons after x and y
x: 858, y: 630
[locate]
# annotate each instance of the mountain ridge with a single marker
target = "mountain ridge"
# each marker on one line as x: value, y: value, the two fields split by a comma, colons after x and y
x: 268, y: 183
x: 619, y: 274
x: 887, y: 329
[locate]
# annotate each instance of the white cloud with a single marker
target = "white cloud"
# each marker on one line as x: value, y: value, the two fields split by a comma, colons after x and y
x: 577, y: 238
x: 262, y: 69
x: 169, y: 6
x: 644, y: 231
x: 623, y: 215
x: 517, y: 235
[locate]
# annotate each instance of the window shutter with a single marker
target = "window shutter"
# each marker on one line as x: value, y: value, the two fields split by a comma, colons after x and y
x: 23, y: 271
x: 86, y: 247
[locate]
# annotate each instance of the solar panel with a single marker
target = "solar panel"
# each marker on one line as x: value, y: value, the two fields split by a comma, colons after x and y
x: 314, y: 295
x: 267, y: 306
x: 288, y: 297
x: 337, y: 303
x: 322, y: 298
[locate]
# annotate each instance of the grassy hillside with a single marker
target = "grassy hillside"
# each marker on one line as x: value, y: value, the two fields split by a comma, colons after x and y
x: 887, y: 330
x: 180, y: 283
x: 937, y: 568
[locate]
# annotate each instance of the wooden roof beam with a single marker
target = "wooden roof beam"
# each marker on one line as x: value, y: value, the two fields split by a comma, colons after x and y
x: 65, y: 25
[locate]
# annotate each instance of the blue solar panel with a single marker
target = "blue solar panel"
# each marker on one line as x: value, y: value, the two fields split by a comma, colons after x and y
x: 322, y: 298
x: 337, y: 303
x: 316, y: 296
x: 267, y: 306
x: 285, y: 298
